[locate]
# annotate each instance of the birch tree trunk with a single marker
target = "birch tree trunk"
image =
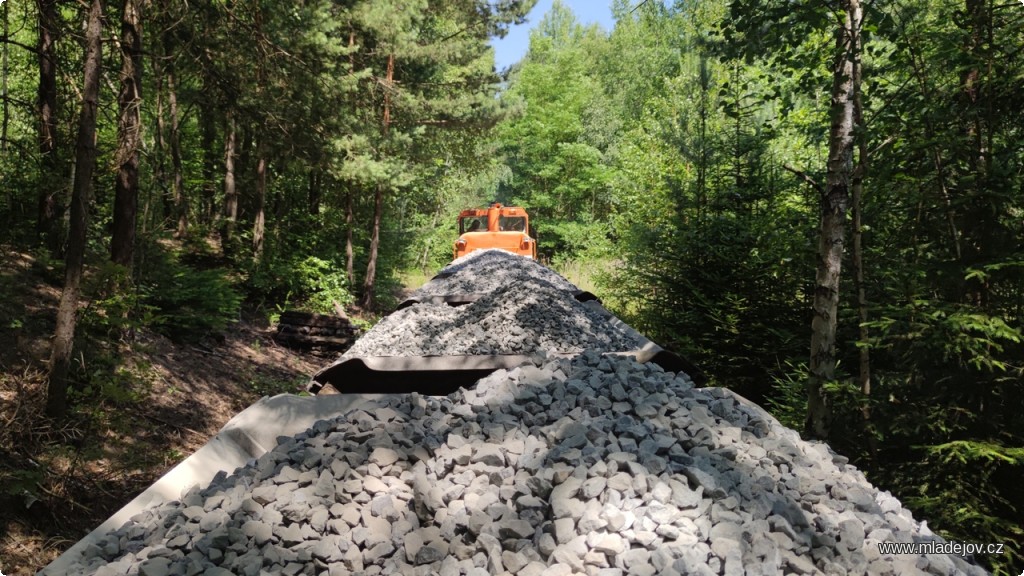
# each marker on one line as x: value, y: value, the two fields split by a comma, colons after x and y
x: 371, y: 265
x: 85, y: 162
x: 349, y: 251
x: 129, y: 128
x: 832, y: 231
x: 863, y: 351
x: 259, y: 222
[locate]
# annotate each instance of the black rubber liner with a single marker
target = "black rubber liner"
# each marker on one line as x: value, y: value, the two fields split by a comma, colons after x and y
x: 431, y: 375
x: 462, y: 299
x: 440, y: 375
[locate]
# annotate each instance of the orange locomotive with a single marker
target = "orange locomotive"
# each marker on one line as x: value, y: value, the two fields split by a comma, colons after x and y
x: 504, y: 227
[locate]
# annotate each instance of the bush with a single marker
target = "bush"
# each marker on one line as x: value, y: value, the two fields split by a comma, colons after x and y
x: 116, y: 303
x: 313, y: 281
x: 186, y: 303
x: 324, y: 283
x: 193, y: 303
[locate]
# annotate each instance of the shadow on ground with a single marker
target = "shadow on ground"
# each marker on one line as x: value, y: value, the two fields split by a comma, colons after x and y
x: 148, y: 403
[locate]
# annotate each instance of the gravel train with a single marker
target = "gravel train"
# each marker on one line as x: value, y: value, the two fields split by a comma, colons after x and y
x: 488, y: 310
x: 502, y: 422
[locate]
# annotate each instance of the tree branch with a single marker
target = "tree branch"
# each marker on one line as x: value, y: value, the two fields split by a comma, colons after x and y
x: 31, y: 49
x: 803, y: 176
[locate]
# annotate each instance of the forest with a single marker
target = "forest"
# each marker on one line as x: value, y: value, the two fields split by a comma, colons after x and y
x: 819, y: 204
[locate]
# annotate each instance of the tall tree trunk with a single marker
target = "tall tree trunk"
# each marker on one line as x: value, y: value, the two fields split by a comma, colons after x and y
x: 230, y: 193
x: 245, y: 169
x: 51, y: 180
x: 160, y: 167
x: 3, y: 81
x: 349, y: 215
x: 315, y: 190
x: 209, y: 135
x: 426, y: 247
x: 859, y: 173
x: 85, y: 161
x: 259, y: 223
x: 369, y: 282
x: 832, y: 230
x: 976, y: 110
x: 350, y: 272
x: 976, y: 19
x: 180, y: 199
x: 129, y: 128
x: 702, y: 160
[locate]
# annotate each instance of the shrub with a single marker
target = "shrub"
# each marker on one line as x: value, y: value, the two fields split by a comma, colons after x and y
x: 187, y: 303
x: 313, y: 281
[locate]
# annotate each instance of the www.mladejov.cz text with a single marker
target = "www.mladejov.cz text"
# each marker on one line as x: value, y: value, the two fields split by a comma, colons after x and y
x: 951, y: 547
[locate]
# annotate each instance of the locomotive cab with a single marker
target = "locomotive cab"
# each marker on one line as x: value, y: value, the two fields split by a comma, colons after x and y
x: 497, y: 226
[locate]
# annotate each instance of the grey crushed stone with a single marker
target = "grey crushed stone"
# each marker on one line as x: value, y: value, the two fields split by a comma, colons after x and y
x: 524, y: 308
x: 484, y: 271
x: 732, y: 491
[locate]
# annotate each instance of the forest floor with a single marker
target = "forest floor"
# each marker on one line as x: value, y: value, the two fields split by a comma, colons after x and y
x: 149, y: 403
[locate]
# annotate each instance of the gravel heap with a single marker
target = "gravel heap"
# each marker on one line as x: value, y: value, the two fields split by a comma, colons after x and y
x: 519, y: 317
x: 598, y: 466
x: 483, y: 271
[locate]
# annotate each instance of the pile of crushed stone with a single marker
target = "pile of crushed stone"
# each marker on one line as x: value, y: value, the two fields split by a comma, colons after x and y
x: 521, y: 317
x: 598, y: 466
x: 483, y: 271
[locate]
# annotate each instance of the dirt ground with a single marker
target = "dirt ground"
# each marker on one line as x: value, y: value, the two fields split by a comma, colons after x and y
x: 153, y: 403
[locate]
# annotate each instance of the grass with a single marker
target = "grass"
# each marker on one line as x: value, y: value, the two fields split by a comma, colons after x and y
x: 413, y: 278
x: 584, y: 273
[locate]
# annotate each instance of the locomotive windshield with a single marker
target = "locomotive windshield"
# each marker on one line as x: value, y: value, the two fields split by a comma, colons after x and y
x: 512, y: 224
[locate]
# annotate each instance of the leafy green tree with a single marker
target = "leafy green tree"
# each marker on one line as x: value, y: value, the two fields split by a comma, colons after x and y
x: 556, y: 149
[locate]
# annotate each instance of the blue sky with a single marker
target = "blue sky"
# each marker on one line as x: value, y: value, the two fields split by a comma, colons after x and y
x: 513, y: 46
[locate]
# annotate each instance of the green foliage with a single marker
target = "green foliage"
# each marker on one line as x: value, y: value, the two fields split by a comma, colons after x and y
x: 659, y: 154
x: 788, y: 400
x: 959, y: 335
x: 961, y: 487
x: 183, y: 302
x: 193, y: 303
x: 119, y: 386
x: 117, y: 305
x: 169, y: 296
x: 557, y: 149
x: 21, y: 485
x: 582, y: 241
x: 326, y: 282
x: 309, y: 281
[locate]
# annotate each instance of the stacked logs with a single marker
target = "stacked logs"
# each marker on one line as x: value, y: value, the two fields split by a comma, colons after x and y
x: 317, y: 333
